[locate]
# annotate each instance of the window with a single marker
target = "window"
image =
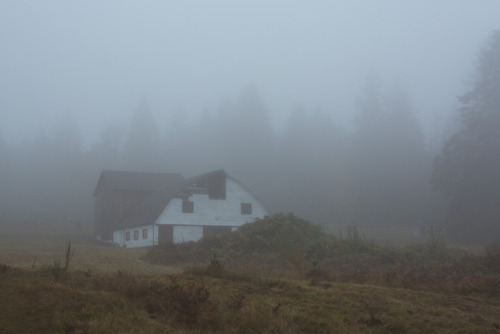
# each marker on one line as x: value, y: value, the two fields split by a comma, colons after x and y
x: 217, y: 186
x: 145, y: 233
x: 187, y: 206
x: 136, y: 235
x: 246, y: 208
x: 127, y: 236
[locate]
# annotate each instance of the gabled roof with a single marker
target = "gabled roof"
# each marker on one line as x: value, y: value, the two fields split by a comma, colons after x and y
x: 120, y: 180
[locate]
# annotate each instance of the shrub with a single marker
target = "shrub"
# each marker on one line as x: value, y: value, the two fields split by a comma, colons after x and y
x: 55, y: 269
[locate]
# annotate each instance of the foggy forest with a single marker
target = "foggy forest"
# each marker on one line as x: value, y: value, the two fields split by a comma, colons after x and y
x: 376, y: 154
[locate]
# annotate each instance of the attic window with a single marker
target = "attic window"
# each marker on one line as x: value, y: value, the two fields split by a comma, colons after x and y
x: 217, y: 186
x: 246, y: 208
x: 187, y: 206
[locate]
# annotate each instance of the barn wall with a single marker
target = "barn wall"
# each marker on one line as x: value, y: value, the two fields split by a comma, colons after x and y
x: 100, y: 206
x: 214, y: 212
x: 123, y: 200
x: 104, y: 217
x: 110, y: 206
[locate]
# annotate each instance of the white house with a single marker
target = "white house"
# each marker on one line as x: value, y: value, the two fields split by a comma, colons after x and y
x: 178, y: 211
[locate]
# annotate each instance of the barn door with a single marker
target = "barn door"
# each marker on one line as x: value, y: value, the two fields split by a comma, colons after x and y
x: 187, y: 233
x: 165, y: 234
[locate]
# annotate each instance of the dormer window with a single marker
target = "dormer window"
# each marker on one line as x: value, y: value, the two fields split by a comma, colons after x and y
x: 187, y: 206
x: 217, y: 186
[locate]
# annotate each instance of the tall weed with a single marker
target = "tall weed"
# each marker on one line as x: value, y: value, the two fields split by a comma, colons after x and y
x: 57, y: 268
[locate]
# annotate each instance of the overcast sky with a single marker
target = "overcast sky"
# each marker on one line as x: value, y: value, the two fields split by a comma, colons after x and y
x: 96, y: 60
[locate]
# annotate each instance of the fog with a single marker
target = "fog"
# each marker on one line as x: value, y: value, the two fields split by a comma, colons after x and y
x: 277, y: 93
x: 96, y: 61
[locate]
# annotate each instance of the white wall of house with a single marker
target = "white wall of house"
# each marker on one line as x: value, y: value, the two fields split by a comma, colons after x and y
x: 214, y: 212
x: 141, y: 236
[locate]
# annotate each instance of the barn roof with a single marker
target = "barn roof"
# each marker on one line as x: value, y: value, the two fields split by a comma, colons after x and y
x: 121, y: 180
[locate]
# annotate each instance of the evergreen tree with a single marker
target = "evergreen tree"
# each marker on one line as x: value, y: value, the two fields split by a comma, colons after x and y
x: 388, y: 174
x: 467, y: 172
x: 4, y: 178
x: 309, y: 167
x: 105, y: 153
x: 141, y: 150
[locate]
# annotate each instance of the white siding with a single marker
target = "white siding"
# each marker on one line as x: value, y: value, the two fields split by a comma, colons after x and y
x: 184, y: 233
x: 214, y: 212
x: 120, y: 237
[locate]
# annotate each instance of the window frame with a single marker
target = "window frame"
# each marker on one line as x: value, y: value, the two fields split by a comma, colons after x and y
x: 187, y: 206
x: 246, y: 208
x: 217, y: 187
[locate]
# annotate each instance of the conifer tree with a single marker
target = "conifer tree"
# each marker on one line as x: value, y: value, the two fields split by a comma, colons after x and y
x: 467, y: 171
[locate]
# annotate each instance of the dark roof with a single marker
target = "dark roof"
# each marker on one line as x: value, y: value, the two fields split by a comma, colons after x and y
x: 119, y: 180
x: 205, y: 175
x: 149, y: 209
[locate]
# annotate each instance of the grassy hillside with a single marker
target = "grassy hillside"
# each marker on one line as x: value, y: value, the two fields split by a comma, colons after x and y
x: 79, y: 302
x: 279, y: 275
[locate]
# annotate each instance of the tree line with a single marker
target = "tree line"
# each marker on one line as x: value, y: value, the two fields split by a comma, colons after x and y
x: 312, y: 167
x: 380, y: 172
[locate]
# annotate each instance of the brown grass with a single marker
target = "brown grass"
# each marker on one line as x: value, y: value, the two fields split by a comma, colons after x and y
x: 125, y: 303
x: 111, y: 290
x: 36, y: 246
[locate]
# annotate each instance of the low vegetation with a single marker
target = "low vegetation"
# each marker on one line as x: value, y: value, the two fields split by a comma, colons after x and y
x: 206, y: 300
x: 279, y: 275
x: 56, y: 268
x: 287, y: 244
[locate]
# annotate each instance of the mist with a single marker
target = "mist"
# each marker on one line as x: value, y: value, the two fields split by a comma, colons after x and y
x: 333, y: 111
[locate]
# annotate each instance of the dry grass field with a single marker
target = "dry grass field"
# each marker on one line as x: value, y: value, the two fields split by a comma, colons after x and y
x: 35, y: 246
x: 109, y: 289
